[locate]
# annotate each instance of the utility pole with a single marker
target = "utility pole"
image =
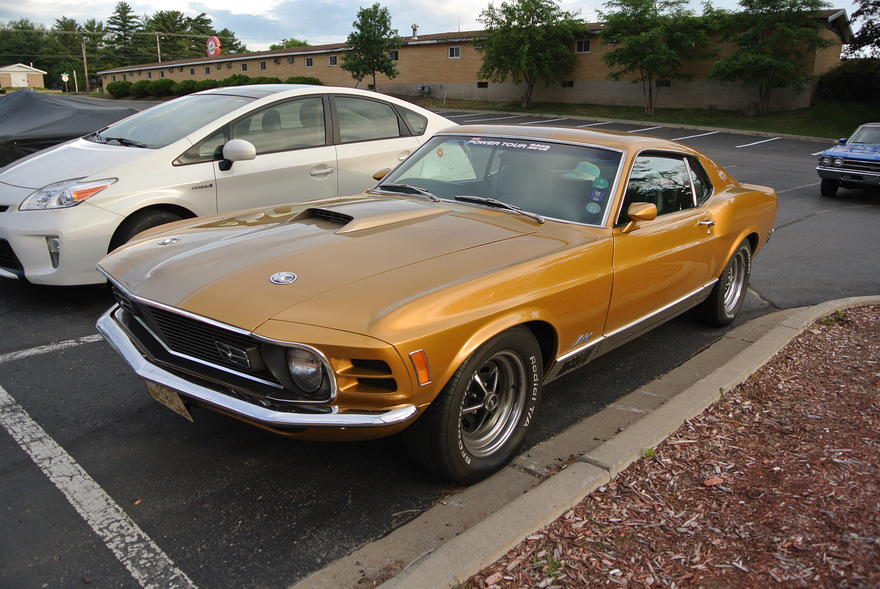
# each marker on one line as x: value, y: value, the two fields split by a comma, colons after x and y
x: 158, y: 49
x: 85, y: 62
x: 75, y: 83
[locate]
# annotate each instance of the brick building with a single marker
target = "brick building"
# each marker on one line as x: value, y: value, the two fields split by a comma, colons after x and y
x: 446, y: 65
x: 19, y: 75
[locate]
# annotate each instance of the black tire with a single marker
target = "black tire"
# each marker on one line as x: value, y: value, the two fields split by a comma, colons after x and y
x: 140, y: 222
x: 727, y: 296
x: 828, y: 187
x: 458, y: 437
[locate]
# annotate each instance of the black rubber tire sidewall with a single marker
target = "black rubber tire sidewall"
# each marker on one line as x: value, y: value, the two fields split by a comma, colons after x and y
x: 139, y: 223
x: 829, y: 187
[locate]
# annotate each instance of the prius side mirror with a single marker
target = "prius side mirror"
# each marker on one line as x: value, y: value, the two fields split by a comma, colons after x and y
x: 639, y: 211
x: 237, y: 150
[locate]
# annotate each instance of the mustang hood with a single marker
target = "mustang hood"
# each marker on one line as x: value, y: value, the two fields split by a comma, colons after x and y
x: 862, y: 151
x: 221, y: 268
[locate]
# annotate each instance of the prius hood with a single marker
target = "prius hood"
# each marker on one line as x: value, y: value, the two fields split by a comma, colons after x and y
x: 76, y: 159
x: 222, y: 267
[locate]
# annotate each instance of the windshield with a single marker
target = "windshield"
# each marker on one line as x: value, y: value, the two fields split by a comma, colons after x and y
x: 560, y: 181
x: 166, y: 123
x: 866, y: 135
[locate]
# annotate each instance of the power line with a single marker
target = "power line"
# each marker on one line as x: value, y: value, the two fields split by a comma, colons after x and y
x: 115, y: 33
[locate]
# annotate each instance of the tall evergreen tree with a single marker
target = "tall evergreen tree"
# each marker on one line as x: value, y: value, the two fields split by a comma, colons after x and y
x: 230, y: 42
x: 123, y: 43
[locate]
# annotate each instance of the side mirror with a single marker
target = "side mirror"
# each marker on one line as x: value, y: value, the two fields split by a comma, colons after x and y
x: 237, y: 150
x: 381, y: 173
x: 842, y: 140
x: 639, y: 211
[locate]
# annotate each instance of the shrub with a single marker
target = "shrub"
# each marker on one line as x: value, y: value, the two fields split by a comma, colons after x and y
x: 119, y: 89
x: 161, y: 87
x: 140, y: 88
x: 206, y: 84
x: 266, y: 80
x: 853, y: 80
x: 236, y: 80
x: 304, y: 80
x: 184, y: 87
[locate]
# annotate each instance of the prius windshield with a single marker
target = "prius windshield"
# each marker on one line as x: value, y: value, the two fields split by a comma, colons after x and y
x: 167, y: 122
x: 555, y: 180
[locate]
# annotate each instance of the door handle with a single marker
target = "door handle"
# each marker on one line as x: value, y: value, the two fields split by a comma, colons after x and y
x: 707, y: 222
x: 403, y: 155
x: 321, y: 171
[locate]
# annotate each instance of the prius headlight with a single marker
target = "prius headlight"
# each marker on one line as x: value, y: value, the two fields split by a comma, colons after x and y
x: 60, y: 195
x: 306, y: 369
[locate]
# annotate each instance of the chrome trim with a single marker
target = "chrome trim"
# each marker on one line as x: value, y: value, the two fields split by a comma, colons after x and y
x: 7, y: 274
x: 117, y: 338
x: 428, y: 363
x: 576, y: 351
x: 325, y: 362
x: 844, y: 170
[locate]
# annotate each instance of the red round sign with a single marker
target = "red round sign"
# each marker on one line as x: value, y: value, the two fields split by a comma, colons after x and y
x: 213, y: 47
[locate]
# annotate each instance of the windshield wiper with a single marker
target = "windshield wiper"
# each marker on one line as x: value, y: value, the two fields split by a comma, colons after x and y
x: 414, y: 189
x: 494, y: 202
x: 124, y: 141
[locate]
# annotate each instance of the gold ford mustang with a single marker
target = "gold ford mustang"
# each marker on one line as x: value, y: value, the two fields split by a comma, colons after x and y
x: 492, y: 260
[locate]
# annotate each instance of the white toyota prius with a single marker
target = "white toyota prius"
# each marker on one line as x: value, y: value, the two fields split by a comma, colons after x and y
x: 64, y: 208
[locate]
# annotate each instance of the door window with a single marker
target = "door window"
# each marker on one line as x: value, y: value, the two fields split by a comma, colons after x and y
x: 702, y: 185
x: 208, y: 149
x: 662, y: 180
x: 364, y: 120
x: 291, y: 125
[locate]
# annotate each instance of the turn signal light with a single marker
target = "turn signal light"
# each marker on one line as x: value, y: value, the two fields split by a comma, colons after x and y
x: 420, y: 362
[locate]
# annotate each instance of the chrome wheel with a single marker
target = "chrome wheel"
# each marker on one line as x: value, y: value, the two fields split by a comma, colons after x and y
x: 493, y: 403
x: 735, y: 281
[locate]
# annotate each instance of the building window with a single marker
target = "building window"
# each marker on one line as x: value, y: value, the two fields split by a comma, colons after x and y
x: 276, y: 60
x: 289, y: 59
x: 207, y: 69
x: 583, y: 46
x: 244, y: 67
x: 161, y: 73
x: 171, y: 70
x: 262, y: 65
x: 309, y: 62
x: 568, y: 83
x: 331, y: 60
x: 123, y: 77
x: 394, y: 55
x: 454, y: 52
x: 180, y: 68
x: 149, y: 74
x: 192, y: 71
x: 482, y: 84
x: 114, y: 78
x: 229, y: 65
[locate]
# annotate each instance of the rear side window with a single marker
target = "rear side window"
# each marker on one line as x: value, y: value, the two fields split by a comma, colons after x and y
x: 416, y: 122
x: 364, y: 120
x: 702, y: 185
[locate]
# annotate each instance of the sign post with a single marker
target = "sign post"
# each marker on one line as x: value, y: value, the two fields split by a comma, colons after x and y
x: 64, y: 77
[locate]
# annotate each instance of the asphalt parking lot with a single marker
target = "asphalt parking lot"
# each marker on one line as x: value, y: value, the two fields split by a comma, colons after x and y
x: 218, y: 503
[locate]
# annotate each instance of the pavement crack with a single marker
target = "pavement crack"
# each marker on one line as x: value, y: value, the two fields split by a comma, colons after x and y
x: 804, y: 218
x: 763, y: 299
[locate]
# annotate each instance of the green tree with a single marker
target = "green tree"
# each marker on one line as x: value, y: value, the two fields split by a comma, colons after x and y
x: 867, y: 38
x: 24, y: 41
x: 771, y: 40
x: 370, y: 44
x: 288, y: 44
x: 63, y: 53
x: 171, y: 27
x: 123, y: 43
x: 652, y: 40
x: 94, y: 35
x: 230, y: 42
x: 528, y: 40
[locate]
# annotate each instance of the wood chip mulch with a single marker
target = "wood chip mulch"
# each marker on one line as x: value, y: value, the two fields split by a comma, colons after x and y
x: 776, y: 484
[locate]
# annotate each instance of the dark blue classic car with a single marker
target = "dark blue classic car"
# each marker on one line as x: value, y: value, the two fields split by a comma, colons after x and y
x: 855, y: 163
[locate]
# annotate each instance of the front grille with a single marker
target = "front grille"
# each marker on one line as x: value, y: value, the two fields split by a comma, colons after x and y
x: 123, y: 300
x: 333, y: 216
x: 861, y: 165
x: 8, y: 259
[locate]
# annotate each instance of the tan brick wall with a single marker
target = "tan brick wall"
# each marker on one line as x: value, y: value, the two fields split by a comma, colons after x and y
x: 828, y: 58
x: 5, y: 80
x: 35, y: 81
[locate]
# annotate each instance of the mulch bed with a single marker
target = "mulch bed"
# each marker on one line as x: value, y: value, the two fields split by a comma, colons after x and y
x: 776, y: 484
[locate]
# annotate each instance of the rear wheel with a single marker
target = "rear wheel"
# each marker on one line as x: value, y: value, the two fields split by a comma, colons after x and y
x: 477, y: 423
x: 140, y: 222
x: 829, y: 187
x: 727, y: 296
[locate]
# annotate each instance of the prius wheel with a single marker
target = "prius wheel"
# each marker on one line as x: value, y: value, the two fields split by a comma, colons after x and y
x: 477, y: 423
x: 729, y: 292
x: 140, y: 222
x: 828, y: 187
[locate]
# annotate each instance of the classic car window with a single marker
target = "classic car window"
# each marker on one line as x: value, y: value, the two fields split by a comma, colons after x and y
x: 561, y: 181
x: 363, y: 120
x: 290, y: 125
x: 867, y: 134
x: 702, y: 185
x: 659, y: 179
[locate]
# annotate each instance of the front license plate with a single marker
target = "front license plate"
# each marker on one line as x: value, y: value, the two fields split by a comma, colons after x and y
x: 169, y: 398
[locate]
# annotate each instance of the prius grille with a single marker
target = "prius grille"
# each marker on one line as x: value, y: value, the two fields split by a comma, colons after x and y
x: 8, y: 259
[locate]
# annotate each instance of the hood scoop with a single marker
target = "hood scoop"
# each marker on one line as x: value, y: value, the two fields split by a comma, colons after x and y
x: 363, y: 216
x: 327, y: 215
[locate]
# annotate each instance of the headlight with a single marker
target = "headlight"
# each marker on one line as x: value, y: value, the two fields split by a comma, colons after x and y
x: 305, y: 369
x: 838, y: 162
x: 59, y: 195
x: 826, y: 161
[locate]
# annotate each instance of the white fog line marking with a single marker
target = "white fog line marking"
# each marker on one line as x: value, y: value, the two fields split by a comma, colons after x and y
x: 797, y: 188
x: 695, y: 136
x: 498, y: 118
x: 543, y: 121
x: 146, y: 562
x: 48, y: 348
x: 758, y: 142
x: 473, y: 114
x: 645, y: 129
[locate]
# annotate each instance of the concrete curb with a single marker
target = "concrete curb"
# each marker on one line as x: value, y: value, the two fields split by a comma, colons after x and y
x: 651, y: 124
x: 482, y: 544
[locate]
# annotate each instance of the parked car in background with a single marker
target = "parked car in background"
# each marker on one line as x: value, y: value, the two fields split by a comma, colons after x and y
x: 854, y: 163
x: 491, y: 261
x: 63, y: 209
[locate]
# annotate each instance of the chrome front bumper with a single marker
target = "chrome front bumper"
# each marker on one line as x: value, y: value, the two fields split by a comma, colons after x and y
x: 117, y: 337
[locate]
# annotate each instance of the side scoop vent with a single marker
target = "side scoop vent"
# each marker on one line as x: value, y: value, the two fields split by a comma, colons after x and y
x: 332, y: 216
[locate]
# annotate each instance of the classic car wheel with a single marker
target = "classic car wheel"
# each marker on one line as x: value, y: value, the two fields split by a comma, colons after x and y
x: 828, y: 187
x: 477, y: 423
x: 729, y: 292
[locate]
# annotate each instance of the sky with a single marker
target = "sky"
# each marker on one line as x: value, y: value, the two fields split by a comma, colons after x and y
x: 258, y: 23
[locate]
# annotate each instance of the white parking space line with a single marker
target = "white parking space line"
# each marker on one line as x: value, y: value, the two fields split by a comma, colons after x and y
x: 758, y: 142
x: 595, y: 124
x: 543, y: 121
x: 473, y: 114
x: 146, y: 562
x: 695, y: 136
x: 797, y: 188
x: 53, y: 347
x: 497, y: 118
x: 645, y: 129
